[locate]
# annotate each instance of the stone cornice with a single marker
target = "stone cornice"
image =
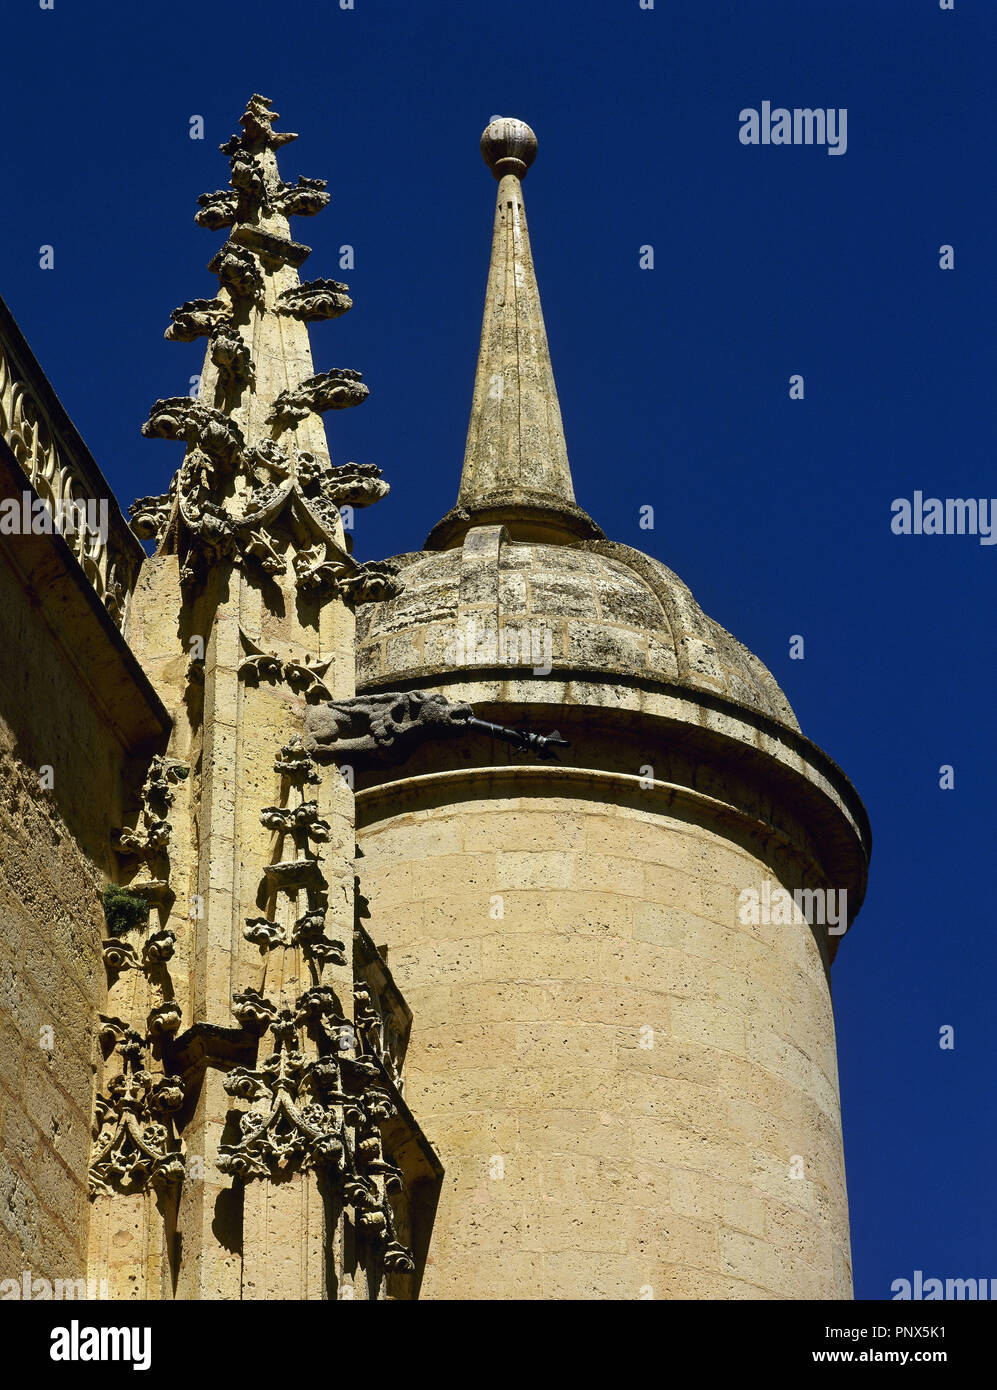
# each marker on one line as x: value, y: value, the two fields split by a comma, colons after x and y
x: 600, y: 715
x: 693, y: 711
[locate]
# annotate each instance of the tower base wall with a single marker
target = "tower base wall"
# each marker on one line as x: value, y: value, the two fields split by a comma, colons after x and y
x: 633, y: 1092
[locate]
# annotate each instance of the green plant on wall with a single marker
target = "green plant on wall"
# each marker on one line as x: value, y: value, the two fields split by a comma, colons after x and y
x: 124, y: 909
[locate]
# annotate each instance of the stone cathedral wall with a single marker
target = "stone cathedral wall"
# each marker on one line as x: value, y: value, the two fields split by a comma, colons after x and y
x: 620, y: 1076
x: 76, y: 713
x: 55, y: 857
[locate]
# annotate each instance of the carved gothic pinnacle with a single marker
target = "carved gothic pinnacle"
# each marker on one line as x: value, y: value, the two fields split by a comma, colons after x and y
x: 257, y: 486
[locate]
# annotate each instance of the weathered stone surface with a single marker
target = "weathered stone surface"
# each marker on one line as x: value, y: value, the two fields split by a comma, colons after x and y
x: 579, y: 602
x: 55, y: 853
x: 668, y: 1043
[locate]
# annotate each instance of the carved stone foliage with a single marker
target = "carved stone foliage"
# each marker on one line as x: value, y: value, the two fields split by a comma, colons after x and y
x: 120, y: 955
x: 381, y: 1018
x: 317, y: 1098
x: 321, y: 569
x: 150, y: 516
x: 150, y: 836
x: 134, y: 1142
x: 306, y: 677
x: 348, y: 484
x: 211, y: 537
x: 212, y: 318
x: 315, y: 299
x: 267, y: 461
x: 337, y: 389
x: 211, y: 432
x: 135, y: 1145
x: 315, y: 1109
x: 257, y: 127
x: 301, y: 199
x: 217, y: 210
x: 148, y: 843
x: 295, y: 869
x: 262, y: 544
x: 198, y: 318
x: 324, y: 569
x: 246, y: 525
x: 377, y: 723
x: 231, y: 355
x: 230, y: 499
x: 239, y: 271
x: 376, y: 580
x: 247, y: 172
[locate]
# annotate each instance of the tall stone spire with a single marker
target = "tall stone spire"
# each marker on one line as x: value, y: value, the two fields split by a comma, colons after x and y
x: 516, y: 470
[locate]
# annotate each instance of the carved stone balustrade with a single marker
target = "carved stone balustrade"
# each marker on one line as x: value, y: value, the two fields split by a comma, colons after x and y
x: 59, y: 468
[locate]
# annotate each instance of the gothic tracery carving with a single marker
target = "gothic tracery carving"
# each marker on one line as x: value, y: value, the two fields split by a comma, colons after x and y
x: 316, y: 1100
x: 58, y: 479
x: 134, y: 1142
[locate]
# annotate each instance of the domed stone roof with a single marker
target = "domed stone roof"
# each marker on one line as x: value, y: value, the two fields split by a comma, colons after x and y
x: 592, y: 608
x: 517, y: 579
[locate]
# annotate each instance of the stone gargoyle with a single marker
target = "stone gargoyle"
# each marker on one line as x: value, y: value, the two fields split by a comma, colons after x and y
x: 376, y: 723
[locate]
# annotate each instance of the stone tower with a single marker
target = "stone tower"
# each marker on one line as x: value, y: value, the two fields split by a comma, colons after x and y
x: 624, y: 1044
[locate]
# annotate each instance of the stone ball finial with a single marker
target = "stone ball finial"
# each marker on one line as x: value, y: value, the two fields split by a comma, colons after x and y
x: 508, y: 146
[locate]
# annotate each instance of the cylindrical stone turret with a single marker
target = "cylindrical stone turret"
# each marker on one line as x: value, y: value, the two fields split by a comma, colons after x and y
x: 624, y: 1044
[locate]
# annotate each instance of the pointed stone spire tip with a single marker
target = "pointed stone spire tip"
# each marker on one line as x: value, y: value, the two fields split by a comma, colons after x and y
x: 516, y: 472
x: 508, y: 146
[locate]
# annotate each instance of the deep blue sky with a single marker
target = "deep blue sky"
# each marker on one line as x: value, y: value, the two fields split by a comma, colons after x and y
x: 673, y: 386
